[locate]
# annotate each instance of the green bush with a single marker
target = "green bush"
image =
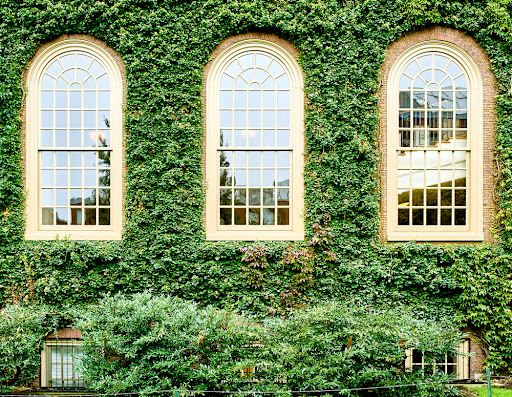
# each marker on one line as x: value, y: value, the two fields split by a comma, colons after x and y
x: 143, y: 343
x: 22, y: 329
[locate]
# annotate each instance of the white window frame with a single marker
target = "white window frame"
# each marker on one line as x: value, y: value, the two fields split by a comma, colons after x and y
x: 473, y: 230
x: 462, y: 360
x: 215, y: 231
x: 34, y: 228
x: 46, y: 359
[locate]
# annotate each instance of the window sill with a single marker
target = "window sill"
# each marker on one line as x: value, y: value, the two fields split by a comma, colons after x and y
x: 433, y: 236
x: 73, y: 235
x: 255, y: 236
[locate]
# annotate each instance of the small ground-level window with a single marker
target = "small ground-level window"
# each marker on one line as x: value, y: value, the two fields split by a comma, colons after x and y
x: 59, y: 364
x: 456, y: 364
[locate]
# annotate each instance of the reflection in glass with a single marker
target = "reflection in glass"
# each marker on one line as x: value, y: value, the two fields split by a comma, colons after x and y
x: 240, y: 216
x: 283, y: 216
x: 61, y: 216
x: 225, y: 216
x: 269, y: 216
x: 254, y: 216
x: 104, y: 215
x: 460, y: 216
x: 225, y: 196
x: 90, y: 216
x: 47, y: 216
x: 268, y: 197
x: 254, y: 197
x: 417, y: 216
x: 283, y: 196
x: 403, y: 216
x: 240, y: 196
x: 89, y: 196
x: 76, y: 216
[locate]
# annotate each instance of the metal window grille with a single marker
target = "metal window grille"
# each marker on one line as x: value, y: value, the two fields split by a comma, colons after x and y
x: 63, y: 357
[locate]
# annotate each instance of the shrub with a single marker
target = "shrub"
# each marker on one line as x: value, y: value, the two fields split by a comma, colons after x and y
x: 143, y: 343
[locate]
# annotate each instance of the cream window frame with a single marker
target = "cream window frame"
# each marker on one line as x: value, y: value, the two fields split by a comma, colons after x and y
x: 46, y: 358
x: 34, y: 228
x: 462, y: 360
x: 473, y: 230
x: 294, y: 231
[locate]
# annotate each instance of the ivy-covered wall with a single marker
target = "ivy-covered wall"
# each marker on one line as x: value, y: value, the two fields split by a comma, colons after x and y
x: 165, y: 45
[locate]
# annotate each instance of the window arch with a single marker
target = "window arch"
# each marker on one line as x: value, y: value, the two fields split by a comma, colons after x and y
x: 434, y: 142
x: 74, y: 142
x: 254, y: 144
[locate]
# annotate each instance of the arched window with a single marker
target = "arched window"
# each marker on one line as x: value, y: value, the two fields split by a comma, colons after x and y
x: 435, y: 145
x: 73, y: 143
x: 254, y: 144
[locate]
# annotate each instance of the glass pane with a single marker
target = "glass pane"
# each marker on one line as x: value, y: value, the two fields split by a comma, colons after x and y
x: 225, y: 197
x: 283, y: 216
x: 268, y: 178
x: 61, y: 197
x: 254, y: 138
x: 254, y: 99
x: 417, y: 216
x: 417, y: 197
x: 404, y: 99
x: 446, y: 217
x: 240, y: 197
x: 240, y: 119
x: 89, y: 196
x: 405, y: 83
x: 75, y: 178
x: 254, y: 178
x: 403, y: 216
x: 283, y: 177
x: 405, y: 139
x: 269, y: 138
x: 47, y: 197
x: 225, y: 216
x: 460, y: 217
x: 104, y: 196
x: 254, y: 159
x: 104, y: 99
x: 240, y: 138
x: 283, y: 118
x: 254, y: 197
x: 446, y: 198
x: 76, y: 216
x: 104, y: 214
x: 254, y: 216
x: 283, y: 138
x: 47, y: 216
x: 103, y: 178
x: 89, y: 177
x: 418, y: 119
x: 90, y: 216
x: 269, y: 119
x: 283, y: 196
x: 269, y: 215
x: 268, y: 197
x: 404, y: 119
x: 240, y: 218
x: 268, y: 159
x: 225, y: 138
x: 460, y: 197
x: 446, y: 100
x: 432, y: 197
x: 75, y: 197
x: 283, y: 99
x: 61, y: 216
x: 240, y: 99
x: 46, y: 119
x: 226, y: 99
x: 46, y: 138
x: 225, y: 178
x: 254, y: 119
x: 403, y: 197
x: 61, y: 178
x: 433, y: 99
x: 431, y: 216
